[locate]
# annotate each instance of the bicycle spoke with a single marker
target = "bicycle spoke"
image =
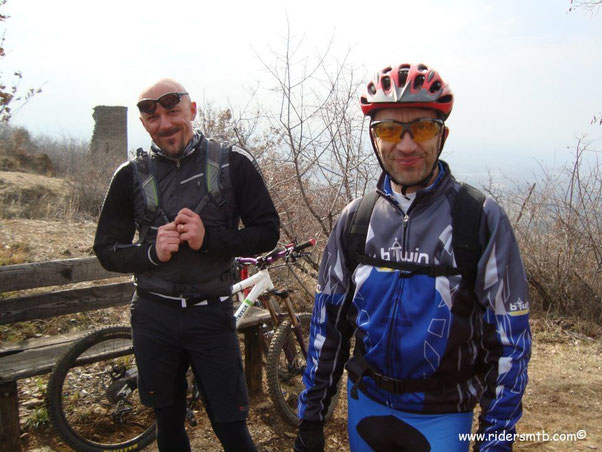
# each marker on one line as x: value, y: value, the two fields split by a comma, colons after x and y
x: 91, y: 394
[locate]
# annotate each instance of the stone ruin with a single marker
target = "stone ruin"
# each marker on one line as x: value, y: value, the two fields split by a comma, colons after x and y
x: 110, y: 137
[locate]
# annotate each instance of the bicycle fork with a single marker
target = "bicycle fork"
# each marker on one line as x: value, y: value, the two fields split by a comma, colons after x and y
x: 295, y: 324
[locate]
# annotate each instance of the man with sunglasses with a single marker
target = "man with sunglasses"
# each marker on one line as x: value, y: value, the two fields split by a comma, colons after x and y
x: 427, y: 275
x: 182, y: 314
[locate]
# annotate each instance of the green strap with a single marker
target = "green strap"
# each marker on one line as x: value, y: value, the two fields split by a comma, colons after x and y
x: 150, y: 192
x: 213, y: 169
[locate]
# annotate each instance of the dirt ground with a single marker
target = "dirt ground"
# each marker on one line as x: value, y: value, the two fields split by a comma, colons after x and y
x: 563, y: 397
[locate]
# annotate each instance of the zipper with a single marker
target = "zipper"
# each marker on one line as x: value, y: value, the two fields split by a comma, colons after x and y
x: 398, y: 299
x: 178, y: 194
x: 405, y: 223
x: 404, y: 230
x: 392, y: 322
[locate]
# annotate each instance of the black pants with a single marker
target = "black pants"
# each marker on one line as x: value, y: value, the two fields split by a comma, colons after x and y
x: 167, y: 340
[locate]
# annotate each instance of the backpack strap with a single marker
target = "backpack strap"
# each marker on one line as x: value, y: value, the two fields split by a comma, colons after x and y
x: 408, y: 269
x: 212, y: 163
x: 147, y: 182
x: 213, y: 169
x: 357, y: 233
x: 466, y: 218
x: 215, y: 154
x: 358, y: 230
x: 358, y: 368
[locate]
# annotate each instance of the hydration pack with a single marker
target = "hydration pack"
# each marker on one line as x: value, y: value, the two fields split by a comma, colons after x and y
x: 213, y: 178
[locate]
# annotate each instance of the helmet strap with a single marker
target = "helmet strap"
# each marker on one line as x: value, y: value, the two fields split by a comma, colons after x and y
x: 424, y: 182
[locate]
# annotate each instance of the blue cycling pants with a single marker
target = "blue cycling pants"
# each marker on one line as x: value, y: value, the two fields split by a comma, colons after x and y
x: 373, y: 427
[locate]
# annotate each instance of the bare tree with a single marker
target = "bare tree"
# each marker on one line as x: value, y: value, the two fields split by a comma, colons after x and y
x: 591, y: 6
x: 325, y: 163
x: 10, y: 91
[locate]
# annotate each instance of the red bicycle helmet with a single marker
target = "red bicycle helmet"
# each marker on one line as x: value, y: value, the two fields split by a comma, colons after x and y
x: 408, y: 85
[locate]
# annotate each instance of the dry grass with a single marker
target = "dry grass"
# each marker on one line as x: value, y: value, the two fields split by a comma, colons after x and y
x: 41, y: 240
x: 25, y: 195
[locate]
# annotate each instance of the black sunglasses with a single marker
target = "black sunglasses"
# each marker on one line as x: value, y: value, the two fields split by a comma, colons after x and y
x: 167, y: 101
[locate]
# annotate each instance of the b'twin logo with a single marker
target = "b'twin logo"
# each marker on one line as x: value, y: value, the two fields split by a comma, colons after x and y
x: 394, y: 253
x: 520, y: 307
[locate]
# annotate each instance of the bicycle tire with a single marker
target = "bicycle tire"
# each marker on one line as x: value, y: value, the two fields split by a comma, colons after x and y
x: 83, y: 388
x: 284, y: 378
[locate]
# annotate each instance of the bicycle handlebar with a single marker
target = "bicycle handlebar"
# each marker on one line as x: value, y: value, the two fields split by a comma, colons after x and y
x: 290, y: 250
x: 304, y: 245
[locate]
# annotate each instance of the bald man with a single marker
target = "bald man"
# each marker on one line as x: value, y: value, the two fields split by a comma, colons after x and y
x: 188, y: 228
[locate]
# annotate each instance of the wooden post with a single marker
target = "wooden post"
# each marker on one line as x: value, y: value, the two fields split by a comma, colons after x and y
x: 253, y: 371
x: 9, y: 417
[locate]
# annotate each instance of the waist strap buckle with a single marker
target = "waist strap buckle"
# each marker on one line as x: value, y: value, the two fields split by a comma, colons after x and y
x: 387, y: 383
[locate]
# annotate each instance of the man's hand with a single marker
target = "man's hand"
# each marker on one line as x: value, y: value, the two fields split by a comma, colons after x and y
x: 168, y: 241
x: 310, y: 437
x: 191, y: 228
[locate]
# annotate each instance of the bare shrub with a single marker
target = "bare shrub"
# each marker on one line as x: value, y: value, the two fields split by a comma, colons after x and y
x: 88, y: 174
x: 19, y: 152
x: 558, y: 224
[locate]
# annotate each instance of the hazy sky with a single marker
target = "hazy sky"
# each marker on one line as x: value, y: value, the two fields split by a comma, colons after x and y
x: 526, y: 74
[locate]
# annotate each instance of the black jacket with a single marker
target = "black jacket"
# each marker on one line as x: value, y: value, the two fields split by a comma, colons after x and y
x: 117, y: 226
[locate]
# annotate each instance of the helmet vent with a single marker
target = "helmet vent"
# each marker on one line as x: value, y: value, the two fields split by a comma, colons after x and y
x: 403, y: 77
x: 419, y: 81
x: 386, y: 82
x: 435, y: 87
x: 444, y: 99
x: 430, y: 76
x: 386, y: 70
x: 422, y: 68
x: 371, y: 89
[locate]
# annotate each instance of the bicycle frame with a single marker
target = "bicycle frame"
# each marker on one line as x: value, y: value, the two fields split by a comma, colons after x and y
x: 261, y: 282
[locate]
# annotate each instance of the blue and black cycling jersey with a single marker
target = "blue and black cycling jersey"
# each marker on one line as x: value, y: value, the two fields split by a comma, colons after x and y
x: 423, y: 327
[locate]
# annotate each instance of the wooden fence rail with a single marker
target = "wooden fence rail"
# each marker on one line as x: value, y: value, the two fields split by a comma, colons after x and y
x: 52, y: 273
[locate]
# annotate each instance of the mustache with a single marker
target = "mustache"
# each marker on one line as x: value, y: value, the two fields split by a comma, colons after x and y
x: 168, y: 133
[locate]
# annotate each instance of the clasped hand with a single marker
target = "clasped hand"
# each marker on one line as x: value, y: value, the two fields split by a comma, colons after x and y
x: 187, y: 227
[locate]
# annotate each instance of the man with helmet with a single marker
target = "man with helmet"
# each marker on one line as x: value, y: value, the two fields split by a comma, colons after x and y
x: 429, y: 279
x: 185, y: 198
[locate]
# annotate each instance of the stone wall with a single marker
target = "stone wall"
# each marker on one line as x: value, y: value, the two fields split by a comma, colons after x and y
x: 110, y: 137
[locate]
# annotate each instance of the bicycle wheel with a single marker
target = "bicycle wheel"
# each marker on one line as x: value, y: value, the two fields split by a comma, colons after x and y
x: 92, y: 399
x: 285, y: 365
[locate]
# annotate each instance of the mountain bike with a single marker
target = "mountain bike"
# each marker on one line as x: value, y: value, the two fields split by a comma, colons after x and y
x: 92, y: 397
